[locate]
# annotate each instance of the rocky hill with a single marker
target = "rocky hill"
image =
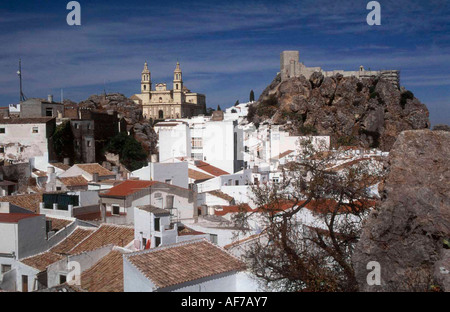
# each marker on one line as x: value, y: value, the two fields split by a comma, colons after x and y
x: 409, y: 233
x: 116, y: 102
x: 367, y: 113
x: 127, y: 108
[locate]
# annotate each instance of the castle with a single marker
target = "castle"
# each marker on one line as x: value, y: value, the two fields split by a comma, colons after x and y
x: 161, y: 103
x: 290, y: 66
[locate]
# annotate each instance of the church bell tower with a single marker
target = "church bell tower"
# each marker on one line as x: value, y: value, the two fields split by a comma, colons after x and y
x: 146, y: 80
x: 177, y: 85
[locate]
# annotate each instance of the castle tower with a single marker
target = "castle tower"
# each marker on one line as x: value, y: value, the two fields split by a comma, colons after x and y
x: 177, y: 85
x: 146, y: 80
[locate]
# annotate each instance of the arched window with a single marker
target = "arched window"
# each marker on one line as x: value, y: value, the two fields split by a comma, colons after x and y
x: 177, y: 86
x: 145, y: 87
x: 160, y: 100
x: 161, y: 114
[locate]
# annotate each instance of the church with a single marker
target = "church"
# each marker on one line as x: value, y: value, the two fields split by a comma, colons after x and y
x: 161, y: 103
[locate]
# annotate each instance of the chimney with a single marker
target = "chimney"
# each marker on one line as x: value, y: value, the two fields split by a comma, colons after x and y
x: 115, y: 169
x: 95, y: 177
x: 50, y: 98
x: 70, y: 208
x: 67, y: 161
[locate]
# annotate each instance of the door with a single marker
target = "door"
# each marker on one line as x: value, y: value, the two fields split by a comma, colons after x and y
x: 24, y: 283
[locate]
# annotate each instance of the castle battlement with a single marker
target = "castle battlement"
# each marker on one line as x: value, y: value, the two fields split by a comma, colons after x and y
x: 290, y: 66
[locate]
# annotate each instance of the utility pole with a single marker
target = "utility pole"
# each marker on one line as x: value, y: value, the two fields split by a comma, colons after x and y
x: 19, y: 72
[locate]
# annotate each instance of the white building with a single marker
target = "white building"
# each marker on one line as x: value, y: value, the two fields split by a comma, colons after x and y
x: 218, y: 142
x: 25, y: 138
x: 175, y: 173
x: 194, y: 267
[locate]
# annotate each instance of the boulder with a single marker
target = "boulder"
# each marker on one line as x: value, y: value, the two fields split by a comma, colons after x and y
x: 409, y: 233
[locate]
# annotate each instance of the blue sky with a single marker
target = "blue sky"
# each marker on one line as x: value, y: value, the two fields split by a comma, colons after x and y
x: 226, y: 48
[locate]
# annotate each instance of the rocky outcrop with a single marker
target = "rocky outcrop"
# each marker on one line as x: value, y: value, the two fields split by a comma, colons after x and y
x: 409, y: 233
x: 114, y: 102
x: 368, y: 113
x: 441, y: 127
x: 145, y: 135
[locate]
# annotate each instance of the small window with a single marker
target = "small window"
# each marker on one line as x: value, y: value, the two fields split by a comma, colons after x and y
x: 35, y: 130
x: 21, y: 149
x: 115, y: 210
x: 236, y: 182
x: 157, y: 225
x: 2, y: 149
x: 89, y: 126
x: 157, y: 241
x: 169, y: 181
x: 89, y: 143
x: 214, y: 239
x: 76, y: 126
x: 2, y: 130
x: 6, y: 268
x: 58, y: 188
x: 62, y: 278
x: 49, y: 112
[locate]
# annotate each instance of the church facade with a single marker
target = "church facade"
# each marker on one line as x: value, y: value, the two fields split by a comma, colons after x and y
x: 161, y: 103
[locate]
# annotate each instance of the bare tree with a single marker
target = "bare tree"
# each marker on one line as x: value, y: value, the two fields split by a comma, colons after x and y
x: 294, y: 254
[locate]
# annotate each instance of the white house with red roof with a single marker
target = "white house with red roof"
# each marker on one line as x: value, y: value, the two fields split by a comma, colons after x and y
x: 118, y: 202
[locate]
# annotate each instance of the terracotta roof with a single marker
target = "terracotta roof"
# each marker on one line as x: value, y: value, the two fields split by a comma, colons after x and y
x: 39, y: 173
x: 106, y: 275
x: 184, y: 230
x: 37, y: 120
x: 92, y: 216
x: 184, y: 262
x: 197, y: 175
x: 281, y: 155
x: 58, y: 224
x: 128, y: 187
x: 74, y: 181
x: 106, y: 234
x: 231, y: 209
x: 95, y: 168
x: 209, y: 168
x: 318, y: 206
x: 42, y: 261
x: 27, y: 201
x: 60, y: 166
x: 154, y: 210
x: 72, y: 240
x: 221, y: 195
x: 15, y: 217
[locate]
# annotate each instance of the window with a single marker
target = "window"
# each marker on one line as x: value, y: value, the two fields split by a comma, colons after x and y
x: 6, y: 268
x: 213, y: 238
x: 2, y: 130
x: 35, y: 130
x: 89, y: 143
x: 76, y: 126
x: 197, y: 156
x: 157, y: 241
x: 157, y: 225
x: 62, y: 278
x: 58, y: 188
x: 197, y: 143
x: 49, y: 112
x: 236, y: 182
x: 2, y: 149
x: 169, y: 181
x: 115, y: 210
x: 21, y: 149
